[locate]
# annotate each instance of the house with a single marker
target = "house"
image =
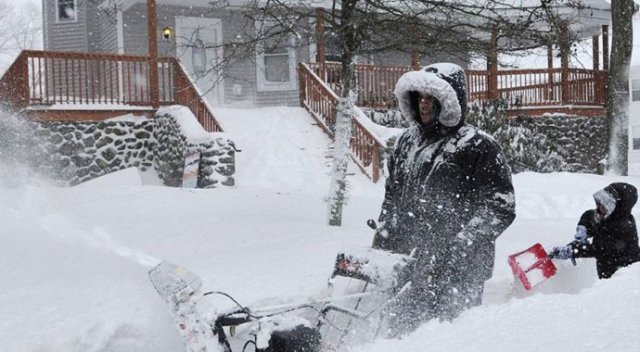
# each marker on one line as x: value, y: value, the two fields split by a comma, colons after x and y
x: 98, y: 58
x: 199, y: 36
x: 634, y: 121
x: 119, y: 27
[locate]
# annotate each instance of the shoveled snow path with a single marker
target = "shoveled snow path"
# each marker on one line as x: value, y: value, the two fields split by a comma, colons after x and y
x: 283, y: 148
x: 280, y: 147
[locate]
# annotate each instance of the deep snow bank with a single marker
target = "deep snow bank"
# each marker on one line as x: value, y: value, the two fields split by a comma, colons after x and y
x: 601, y: 318
x: 74, y: 261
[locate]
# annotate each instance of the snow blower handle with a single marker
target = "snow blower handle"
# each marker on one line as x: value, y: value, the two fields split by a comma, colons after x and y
x: 379, y: 241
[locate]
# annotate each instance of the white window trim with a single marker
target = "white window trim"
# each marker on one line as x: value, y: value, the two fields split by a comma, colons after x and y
x: 265, y: 86
x: 75, y: 12
x: 631, y: 88
x: 632, y: 136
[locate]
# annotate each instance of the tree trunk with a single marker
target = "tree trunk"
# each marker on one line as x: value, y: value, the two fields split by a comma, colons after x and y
x: 618, y: 94
x: 345, y: 112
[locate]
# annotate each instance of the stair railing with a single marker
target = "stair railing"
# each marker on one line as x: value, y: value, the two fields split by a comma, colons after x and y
x: 321, y: 102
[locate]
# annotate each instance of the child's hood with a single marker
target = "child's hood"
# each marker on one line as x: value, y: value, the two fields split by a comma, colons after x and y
x: 626, y: 196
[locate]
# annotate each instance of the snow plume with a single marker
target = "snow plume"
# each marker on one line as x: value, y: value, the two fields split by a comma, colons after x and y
x: 21, y: 160
x: 36, y: 206
x: 97, y: 238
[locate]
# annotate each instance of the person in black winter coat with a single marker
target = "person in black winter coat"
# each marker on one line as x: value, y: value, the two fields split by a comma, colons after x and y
x: 607, y: 233
x: 448, y: 195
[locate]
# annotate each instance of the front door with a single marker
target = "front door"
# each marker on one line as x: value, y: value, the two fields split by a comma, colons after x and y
x: 199, y: 48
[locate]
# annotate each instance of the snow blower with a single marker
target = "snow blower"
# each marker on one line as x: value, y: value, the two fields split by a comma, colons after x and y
x: 362, y: 285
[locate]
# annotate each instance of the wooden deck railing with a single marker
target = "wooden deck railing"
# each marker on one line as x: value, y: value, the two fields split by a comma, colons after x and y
x: 186, y: 93
x: 95, y: 81
x: 519, y: 88
x: 321, y: 102
x: 541, y: 87
x: 320, y: 87
x: 375, y: 83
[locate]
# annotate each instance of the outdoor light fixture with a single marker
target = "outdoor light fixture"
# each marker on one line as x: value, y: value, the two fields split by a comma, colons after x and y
x: 167, y: 33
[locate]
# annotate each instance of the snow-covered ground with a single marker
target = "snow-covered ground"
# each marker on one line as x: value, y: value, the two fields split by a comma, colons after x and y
x: 74, y: 261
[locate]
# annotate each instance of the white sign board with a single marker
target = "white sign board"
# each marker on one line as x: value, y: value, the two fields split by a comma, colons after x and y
x: 191, y: 166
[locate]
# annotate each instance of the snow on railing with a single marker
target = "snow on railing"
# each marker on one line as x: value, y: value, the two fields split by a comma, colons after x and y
x: 188, y: 94
x: 321, y: 102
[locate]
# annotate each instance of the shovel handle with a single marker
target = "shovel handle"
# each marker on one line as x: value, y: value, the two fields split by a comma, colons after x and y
x: 573, y: 259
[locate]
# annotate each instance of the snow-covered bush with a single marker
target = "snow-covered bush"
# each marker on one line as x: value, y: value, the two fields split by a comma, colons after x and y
x: 526, y: 148
x: 391, y: 118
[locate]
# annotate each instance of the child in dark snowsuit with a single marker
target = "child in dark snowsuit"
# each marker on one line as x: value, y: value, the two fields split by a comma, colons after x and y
x: 607, y: 233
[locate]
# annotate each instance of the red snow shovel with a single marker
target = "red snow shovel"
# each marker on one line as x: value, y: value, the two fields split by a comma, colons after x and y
x: 532, y: 266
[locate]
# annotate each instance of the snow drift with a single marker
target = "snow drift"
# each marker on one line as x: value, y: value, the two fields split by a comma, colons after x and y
x: 74, y: 261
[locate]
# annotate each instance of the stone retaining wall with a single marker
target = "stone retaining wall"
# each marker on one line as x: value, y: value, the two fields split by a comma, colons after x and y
x: 79, y: 151
x: 542, y: 143
x: 580, y: 141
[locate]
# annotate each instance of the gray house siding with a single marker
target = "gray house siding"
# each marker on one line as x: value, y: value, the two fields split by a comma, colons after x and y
x: 240, y: 73
x: 103, y: 31
x: 135, y: 31
x: 65, y: 36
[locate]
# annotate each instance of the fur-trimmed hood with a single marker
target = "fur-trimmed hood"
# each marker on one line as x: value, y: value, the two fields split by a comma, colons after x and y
x: 445, y: 82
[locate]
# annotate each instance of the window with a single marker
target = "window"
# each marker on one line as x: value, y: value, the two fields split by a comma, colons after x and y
x: 275, y: 63
x: 635, y: 89
x: 635, y: 137
x: 66, y: 10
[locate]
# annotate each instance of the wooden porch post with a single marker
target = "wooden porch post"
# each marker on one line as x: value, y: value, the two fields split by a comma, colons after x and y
x: 303, y: 85
x: 23, y: 84
x: 596, y: 66
x: 564, y: 51
x: 320, y: 43
x: 549, y: 90
x: 375, y: 167
x: 415, y: 60
x: 152, y: 32
x: 492, y: 66
x: 596, y: 52
x: 605, y: 48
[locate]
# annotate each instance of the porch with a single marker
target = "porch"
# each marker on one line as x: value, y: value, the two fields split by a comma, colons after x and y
x: 529, y: 92
x: 72, y: 86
